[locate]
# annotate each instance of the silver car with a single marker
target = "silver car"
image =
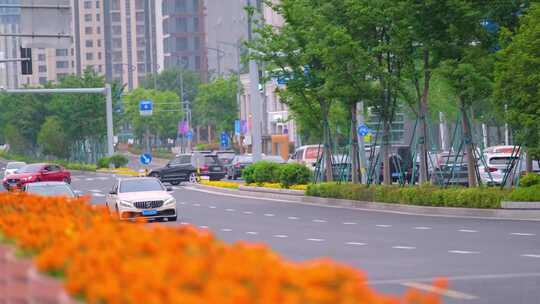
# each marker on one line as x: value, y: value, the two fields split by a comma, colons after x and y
x: 50, y: 189
x: 12, y: 167
x: 146, y: 197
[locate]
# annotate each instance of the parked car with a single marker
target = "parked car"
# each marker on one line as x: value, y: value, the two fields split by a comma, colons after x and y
x: 273, y: 159
x: 146, y: 197
x: 36, y: 173
x: 225, y: 157
x: 497, y: 162
x: 307, y: 155
x: 212, y: 168
x: 50, y: 189
x: 450, y: 169
x: 239, y: 163
x: 12, y: 167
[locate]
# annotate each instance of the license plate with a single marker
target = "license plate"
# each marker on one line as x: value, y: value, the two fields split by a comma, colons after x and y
x: 396, y: 175
x: 149, y: 212
x: 216, y: 169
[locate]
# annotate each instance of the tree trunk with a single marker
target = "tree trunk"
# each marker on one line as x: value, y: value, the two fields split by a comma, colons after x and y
x: 424, y: 143
x: 471, y: 163
x: 354, y: 149
x: 387, y: 179
x: 528, y: 162
x: 209, y: 134
x: 327, y: 154
x: 499, y: 136
x: 198, y: 128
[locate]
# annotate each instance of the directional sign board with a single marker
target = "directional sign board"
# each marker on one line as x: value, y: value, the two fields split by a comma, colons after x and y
x: 224, y: 140
x: 146, y: 107
x: 237, y: 127
x: 363, y: 130
x: 45, y: 23
x: 189, y: 135
x: 145, y: 159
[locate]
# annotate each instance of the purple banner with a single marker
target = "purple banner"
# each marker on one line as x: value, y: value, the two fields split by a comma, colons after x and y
x: 183, y: 127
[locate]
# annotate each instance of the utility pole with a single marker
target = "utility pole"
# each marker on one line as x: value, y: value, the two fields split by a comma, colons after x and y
x: 256, y: 136
x: 361, y: 144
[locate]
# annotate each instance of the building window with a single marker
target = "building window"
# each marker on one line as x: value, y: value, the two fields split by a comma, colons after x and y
x: 196, y: 24
x: 115, y: 17
x: 100, y: 68
x: 41, y: 57
x: 89, y: 56
x: 141, y: 67
x: 118, y: 68
x: 61, y: 52
x: 88, y: 30
x: 117, y: 56
x: 87, y: 17
x: 99, y: 42
x: 98, y: 17
x: 89, y: 43
x: 181, y: 43
x: 181, y: 25
x: 140, y: 42
x: 62, y: 64
x: 115, y: 4
x: 180, y: 5
x: 42, y: 69
x: 140, y: 30
x: 117, y: 43
x: 197, y: 43
x: 99, y: 55
x: 87, y: 4
x: 117, y: 30
x: 97, y: 4
x: 139, y: 16
x: 140, y: 55
x: 42, y: 80
x: 197, y: 62
x: 59, y: 76
x: 139, y: 4
x: 195, y: 5
x: 98, y: 29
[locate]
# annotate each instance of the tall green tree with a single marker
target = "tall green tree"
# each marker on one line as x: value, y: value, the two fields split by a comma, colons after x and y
x: 52, y: 138
x: 517, y: 80
x: 216, y: 103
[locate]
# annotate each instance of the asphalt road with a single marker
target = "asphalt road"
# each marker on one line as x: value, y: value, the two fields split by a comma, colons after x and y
x: 487, y: 261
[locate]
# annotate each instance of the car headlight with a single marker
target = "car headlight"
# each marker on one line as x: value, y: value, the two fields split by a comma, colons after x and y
x: 170, y: 201
x: 126, y: 204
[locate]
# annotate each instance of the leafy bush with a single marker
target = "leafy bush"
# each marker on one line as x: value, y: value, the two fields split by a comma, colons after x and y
x: 525, y: 194
x: 248, y: 174
x: 103, y: 162
x: 294, y: 174
x: 117, y: 160
x: 530, y: 179
x: 426, y: 195
x: 265, y: 172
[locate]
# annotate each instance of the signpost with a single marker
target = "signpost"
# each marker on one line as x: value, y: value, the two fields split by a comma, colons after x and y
x: 363, y: 130
x: 145, y: 159
x: 146, y: 107
x: 224, y: 140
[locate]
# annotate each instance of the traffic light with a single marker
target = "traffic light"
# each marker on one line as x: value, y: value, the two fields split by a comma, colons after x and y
x: 26, y: 65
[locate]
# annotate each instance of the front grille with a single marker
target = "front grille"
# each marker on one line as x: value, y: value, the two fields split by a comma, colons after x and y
x: 148, y: 204
x: 12, y: 181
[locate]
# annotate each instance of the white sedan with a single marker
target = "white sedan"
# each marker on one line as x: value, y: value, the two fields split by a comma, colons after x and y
x: 146, y: 197
x: 12, y: 167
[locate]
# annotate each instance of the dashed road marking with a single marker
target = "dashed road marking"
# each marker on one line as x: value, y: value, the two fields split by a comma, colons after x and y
x: 293, y: 218
x: 252, y: 232
x: 197, y: 205
x: 247, y: 212
x: 269, y: 214
x: 182, y: 203
x: 89, y: 179
x: 440, y: 291
x: 212, y: 207
x: 184, y: 223
x: 204, y: 227
x: 319, y: 221
x: 522, y: 234
x: 356, y: 243
x: 280, y: 236
x: 98, y: 194
x: 383, y: 226
x: 230, y: 210
x: 226, y: 230
x: 315, y: 240
x: 404, y: 247
x: 102, y: 178
x: 463, y: 252
x: 95, y: 190
x: 467, y: 230
x: 422, y: 228
x: 349, y: 223
x: 531, y: 256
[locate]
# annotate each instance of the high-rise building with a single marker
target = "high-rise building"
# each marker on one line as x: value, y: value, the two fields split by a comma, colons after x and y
x: 9, y: 46
x: 184, y: 42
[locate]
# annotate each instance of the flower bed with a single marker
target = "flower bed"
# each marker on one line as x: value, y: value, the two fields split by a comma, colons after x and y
x: 103, y: 260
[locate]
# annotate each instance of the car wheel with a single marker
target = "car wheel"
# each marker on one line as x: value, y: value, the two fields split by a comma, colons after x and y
x: 193, y: 178
x: 67, y: 180
x: 154, y: 174
x: 175, y: 183
x: 172, y: 219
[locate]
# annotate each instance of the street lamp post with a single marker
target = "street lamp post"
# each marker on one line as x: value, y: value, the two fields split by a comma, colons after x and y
x: 219, y: 54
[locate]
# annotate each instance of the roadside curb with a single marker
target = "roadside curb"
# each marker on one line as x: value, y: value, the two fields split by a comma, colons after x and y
x: 521, y: 205
x: 502, y: 214
x: 272, y: 190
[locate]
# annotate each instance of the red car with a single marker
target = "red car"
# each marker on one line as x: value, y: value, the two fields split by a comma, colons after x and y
x: 36, y: 173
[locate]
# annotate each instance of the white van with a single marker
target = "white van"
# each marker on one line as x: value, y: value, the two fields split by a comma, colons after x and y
x: 307, y: 155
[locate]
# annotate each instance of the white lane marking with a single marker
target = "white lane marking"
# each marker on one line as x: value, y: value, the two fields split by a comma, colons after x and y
x: 422, y: 228
x: 315, y: 240
x: 230, y: 210
x: 252, y: 232
x: 482, y: 277
x: 226, y: 230
x: 463, y: 252
x: 293, y: 218
x: 247, y: 212
x: 95, y: 190
x: 102, y: 178
x: 269, y: 214
x: 212, y: 207
x: 296, y: 202
x: 280, y: 236
x: 74, y: 179
x: 197, y: 205
x: 531, y: 256
x: 319, y: 221
x: 356, y: 243
x: 184, y: 223
x: 467, y: 230
x: 440, y: 291
x: 77, y: 191
x: 404, y: 247
x: 204, y: 227
x: 98, y: 195
x: 383, y: 226
x: 176, y: 188
x: 349, y: 223
x: 89, y: 179
x: 522, y: 234
x: 182, y: 203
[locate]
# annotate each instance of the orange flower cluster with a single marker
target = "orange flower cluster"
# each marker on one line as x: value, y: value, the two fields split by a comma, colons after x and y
x: 104, y: 260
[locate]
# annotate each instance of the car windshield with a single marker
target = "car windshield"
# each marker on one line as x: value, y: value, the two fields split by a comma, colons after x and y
x: 31, y: 168
x: 50, y: 190
x: 15, y: 165
x: 501, y: 160
x: 140, y: 185
x: 211, y: 160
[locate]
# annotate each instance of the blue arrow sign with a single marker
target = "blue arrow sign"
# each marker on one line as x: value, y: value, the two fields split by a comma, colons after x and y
x: 363, y: 130
x: 189, y: 135
x: 145, y: 159
x: 145, y: 107
x: 237, y: 127
x: 224, y: 140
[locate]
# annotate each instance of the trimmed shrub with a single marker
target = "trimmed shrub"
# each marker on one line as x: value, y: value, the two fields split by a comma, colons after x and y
x: 247, y: 174
x: 529, y: 179
x: 117, y: 160
x: 103, y: 162
x: 266, y: 172
x: 294, y: 174
x: 525, y: 194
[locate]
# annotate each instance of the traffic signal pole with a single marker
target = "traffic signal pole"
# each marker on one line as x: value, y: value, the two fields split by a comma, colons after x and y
x: 256, y: 108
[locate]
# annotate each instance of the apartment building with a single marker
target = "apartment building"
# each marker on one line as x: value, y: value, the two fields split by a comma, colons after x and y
x: 9, y: 46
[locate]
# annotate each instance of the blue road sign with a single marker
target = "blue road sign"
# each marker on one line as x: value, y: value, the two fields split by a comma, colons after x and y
x: 189, y: 135
x: 363, y: 130
x: 145, y: 159
x: 146, y: 107
x: 237, y: 127
x: 224, y: 140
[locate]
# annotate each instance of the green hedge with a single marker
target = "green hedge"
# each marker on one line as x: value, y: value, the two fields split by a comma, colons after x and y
x: 418, y: 195
x: 530, y: 179
x: 285, y: 174
x: 64, y: 163
x: 525, y: 194
x: 293, y: 174
x: 116, y: 160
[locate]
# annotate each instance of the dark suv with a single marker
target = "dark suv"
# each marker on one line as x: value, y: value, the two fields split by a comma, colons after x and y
x: 183, y: 168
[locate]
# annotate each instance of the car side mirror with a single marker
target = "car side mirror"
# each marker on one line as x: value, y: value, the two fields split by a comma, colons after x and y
x: 112, y: 192
x: 169, y: 189
x: 168, y: 165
